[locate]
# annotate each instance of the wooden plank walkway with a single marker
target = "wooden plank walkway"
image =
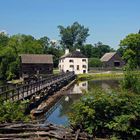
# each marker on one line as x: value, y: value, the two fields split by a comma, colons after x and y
x: 27, y: 90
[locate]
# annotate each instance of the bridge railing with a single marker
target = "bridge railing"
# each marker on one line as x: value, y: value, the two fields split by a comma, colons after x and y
x: 26, y: 90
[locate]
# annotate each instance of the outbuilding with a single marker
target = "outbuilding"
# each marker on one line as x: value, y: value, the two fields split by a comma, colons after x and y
x: 32, y: 64
x: 112, y: 59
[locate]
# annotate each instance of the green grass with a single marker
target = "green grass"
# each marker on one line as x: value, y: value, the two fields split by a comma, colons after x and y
x: 92, y: 76
x: 17, y: 81
x: 56, y: 71
x: 111, y: 75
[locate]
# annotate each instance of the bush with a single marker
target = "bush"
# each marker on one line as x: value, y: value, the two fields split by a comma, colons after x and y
x: 12, y: 111
x: 105, y: 113
x: 131, y: 80
x: 95, y: 62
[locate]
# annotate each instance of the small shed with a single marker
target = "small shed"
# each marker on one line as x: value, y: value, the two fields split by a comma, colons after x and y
x: 112, y: 59
x: 32, y: 64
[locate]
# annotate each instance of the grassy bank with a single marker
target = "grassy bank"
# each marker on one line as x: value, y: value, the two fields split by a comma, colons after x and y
x: 110, y: 75
x: 92, y: 76
x: 56, y: 71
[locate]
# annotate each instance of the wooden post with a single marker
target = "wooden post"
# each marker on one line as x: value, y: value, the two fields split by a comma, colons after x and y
x: 13, y: 91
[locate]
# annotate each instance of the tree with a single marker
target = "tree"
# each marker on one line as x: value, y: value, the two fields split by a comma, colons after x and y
x: 9, y: 55
x: 56, y: 54
x: 3, y: 39
x: 87, y: 50
x: 102, y: 49
x: 73, y: 36
x: 95, y: 51
x: 121, y: 51
x: 25, y: 44
x: 132, y: 42
x: 9, y: 65
x: 45, y: 42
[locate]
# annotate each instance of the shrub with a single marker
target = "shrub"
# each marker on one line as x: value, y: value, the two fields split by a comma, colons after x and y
x: 12, y: 111
x: 94, y: 62
x: 131, y: 80
x: 105, y: 113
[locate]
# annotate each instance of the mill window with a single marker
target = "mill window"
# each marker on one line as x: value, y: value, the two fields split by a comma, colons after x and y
x: 84, y: 66
x: 83, y: 60
x: 71, y: 66
x: 71, y: 61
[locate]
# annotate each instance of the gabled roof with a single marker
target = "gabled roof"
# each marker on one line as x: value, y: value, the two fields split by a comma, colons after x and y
x: 75, y: 54
x: 36, y: 59
x: 107, y: 56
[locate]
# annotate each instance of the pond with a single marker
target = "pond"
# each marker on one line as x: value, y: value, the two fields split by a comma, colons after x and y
x: 58, y: 114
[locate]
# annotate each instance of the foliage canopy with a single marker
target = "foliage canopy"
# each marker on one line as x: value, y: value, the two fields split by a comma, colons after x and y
x: 73, y: 36
x: 131, y: 46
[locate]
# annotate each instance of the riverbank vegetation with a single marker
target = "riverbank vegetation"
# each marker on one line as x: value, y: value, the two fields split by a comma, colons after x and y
x: 111, y: 113
x: 13, y: 112
x: 106, y: 114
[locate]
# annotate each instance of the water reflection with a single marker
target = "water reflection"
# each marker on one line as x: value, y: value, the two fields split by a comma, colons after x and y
x: 79, y: 87
x: 104, y: 84
x: 59, y: 115
x: 60, y: 112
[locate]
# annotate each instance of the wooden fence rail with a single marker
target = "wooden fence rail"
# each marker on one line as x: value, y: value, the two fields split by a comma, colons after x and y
x: 26, y: 90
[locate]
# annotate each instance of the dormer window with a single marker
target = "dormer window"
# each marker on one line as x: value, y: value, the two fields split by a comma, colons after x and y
x: 83, y: 60
x: 71, y: 61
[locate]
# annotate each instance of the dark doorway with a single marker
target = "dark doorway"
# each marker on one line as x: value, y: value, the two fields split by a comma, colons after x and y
x: 84, y: 71
x: 116, y: 64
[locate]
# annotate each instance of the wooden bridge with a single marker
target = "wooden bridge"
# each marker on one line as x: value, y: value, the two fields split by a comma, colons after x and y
x: 41, y: 88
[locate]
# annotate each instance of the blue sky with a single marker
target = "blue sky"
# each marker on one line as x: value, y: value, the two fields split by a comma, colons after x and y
x: 109, y: 21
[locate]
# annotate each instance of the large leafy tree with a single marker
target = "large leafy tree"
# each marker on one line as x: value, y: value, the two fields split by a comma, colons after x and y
x: 25, y: 44
x: 9, y: 55
x: 101, y: 49
x: 3, y: 39
x: 87, y: 50
x: 9, y: 66
x: 56, y: 54
x: 131, y: 45
x: 45, y: 42
x: 96, y: 51
x: 73, y: 36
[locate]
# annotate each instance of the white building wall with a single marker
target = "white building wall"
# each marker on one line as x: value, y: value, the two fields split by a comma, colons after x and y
x: 64, y: 65
x: 79, y: 88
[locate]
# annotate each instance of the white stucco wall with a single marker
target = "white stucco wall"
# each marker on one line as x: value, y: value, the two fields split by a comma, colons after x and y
x: 64, y: 65
x: 79, y: 88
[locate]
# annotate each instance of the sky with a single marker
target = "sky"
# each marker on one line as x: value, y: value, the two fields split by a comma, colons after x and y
x: 109, y: 21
